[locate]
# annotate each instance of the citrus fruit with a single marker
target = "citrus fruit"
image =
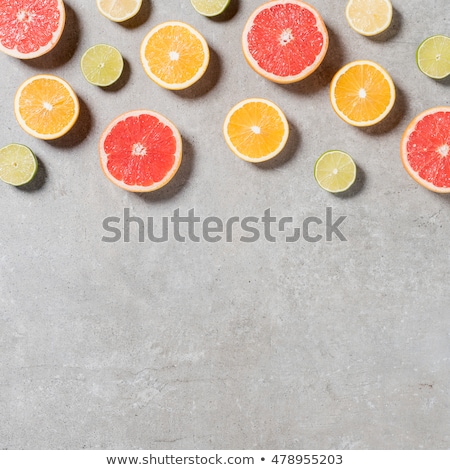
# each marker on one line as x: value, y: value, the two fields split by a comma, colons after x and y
x: 425, y: 149
x: 210, y: 7
x: 285, y: 40
x: 119, y: 10
x: 433, y: 56
x: 30, y: 29
x: 18, y: 165
x: 362, y: 93
x: 140, y: 151
x: 335, y: 171
x: 102, y: 65
x: 46, y: 106
x: 256, y: 130
x: 174, y: 55
x: 369, y: 17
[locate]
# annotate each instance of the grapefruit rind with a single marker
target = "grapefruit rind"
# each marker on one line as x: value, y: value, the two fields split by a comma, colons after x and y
x: 30, y: 31
x: 236, y: 151
x: 404, y: 152
x: 289, y: 78
x: 139, y: 188
x: 342, y: 115
x: 32, y: 131
x: 364, y: 32
x: 182, y: 85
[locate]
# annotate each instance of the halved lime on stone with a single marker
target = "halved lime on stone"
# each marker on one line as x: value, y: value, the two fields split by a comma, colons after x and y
x: 433, y: 56
x: 210, y: 7
x: 335, y: 171
x: 102, y: 65
x: 18, y: 165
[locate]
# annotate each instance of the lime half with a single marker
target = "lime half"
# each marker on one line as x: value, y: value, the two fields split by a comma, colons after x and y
x: 433, y: 56
x: 18, y: 165
x: 335, y: 171
x: 210, y: 7
x: 102, y: 65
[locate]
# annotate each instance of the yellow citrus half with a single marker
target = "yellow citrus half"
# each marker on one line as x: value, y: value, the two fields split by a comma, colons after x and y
x: 119, y: 10
x: 369, y: 17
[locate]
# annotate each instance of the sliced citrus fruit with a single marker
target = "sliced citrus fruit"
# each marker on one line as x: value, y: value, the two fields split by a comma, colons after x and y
x: 102, y: 65
x: 210, y: 7
x: 30, y: 29
x: 174, y: 55
x: 18, y: 165
x: 46, y: 106
x: 425, y: 149
x: 335, y: 171
x: 256, y: 130
x: 369, y: 17
x: 119, y: 10
x: 285, y: 40
x: 362, y: 93
x: 140, y: 151
x: 433, y: 56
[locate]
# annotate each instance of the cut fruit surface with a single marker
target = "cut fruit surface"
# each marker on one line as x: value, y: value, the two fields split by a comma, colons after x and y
x: 18, y: 165
x: 433, y: 57
x: 362, y: 93
x: 335, y: 171
x: 140, y: 151
x: 256, y: 130
x: 46, y: 106
x: 174, y: 55
x: 425, y: 149
x: 369, y: 17
x: 285, y: 40
x: 119, y: 10
x: 210, y: 7
x: 30, y: 29
x: 102, y: 65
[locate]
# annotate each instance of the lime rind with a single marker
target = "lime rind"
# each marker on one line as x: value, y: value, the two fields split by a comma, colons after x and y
x: 335, y: 171
x: 210, y: 7
x: 102, y: 65
x: 433, y: 56
x: 18, y: 164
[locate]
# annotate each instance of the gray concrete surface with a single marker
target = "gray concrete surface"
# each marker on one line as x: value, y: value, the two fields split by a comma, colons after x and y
x: 226, y: 345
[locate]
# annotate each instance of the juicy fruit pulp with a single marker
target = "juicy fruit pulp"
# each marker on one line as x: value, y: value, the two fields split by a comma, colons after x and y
x: 102, y: 65
x: 256, y: 130
x: 362, y: 93
x: 210, y: 7
x: 18, y: 165
x: 433, y: 57
x: 46, y: 106
x: 174, y: 55
x: 119, y: 10
x: 369, y: 17
x: 335, y: 171
x: 425, y: 149
x: 30, y: 29
x: 140, y: 151
x: 285, y: 41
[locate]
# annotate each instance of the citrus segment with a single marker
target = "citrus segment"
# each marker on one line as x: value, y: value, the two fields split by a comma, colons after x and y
x: 46, y: 106
x: 285, y: 40
x: 174, y: 55
x: 335, y: 171
x: 18, y: 165
x: 433, y: 56
x: 30, y: 29
x: 119, y: 10
x: 369, y: 17
x: 256, y: 130
x: 140, y: 151
x: 362, y: 93
x: 210, y: 7
x: 102, y: 65
x: 425, y: 149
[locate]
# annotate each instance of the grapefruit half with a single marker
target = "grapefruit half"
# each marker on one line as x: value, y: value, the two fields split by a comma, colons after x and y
x: 425, y: 149
x: 30, y: 29
x: 285, y: 40
x: 140, y: 151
